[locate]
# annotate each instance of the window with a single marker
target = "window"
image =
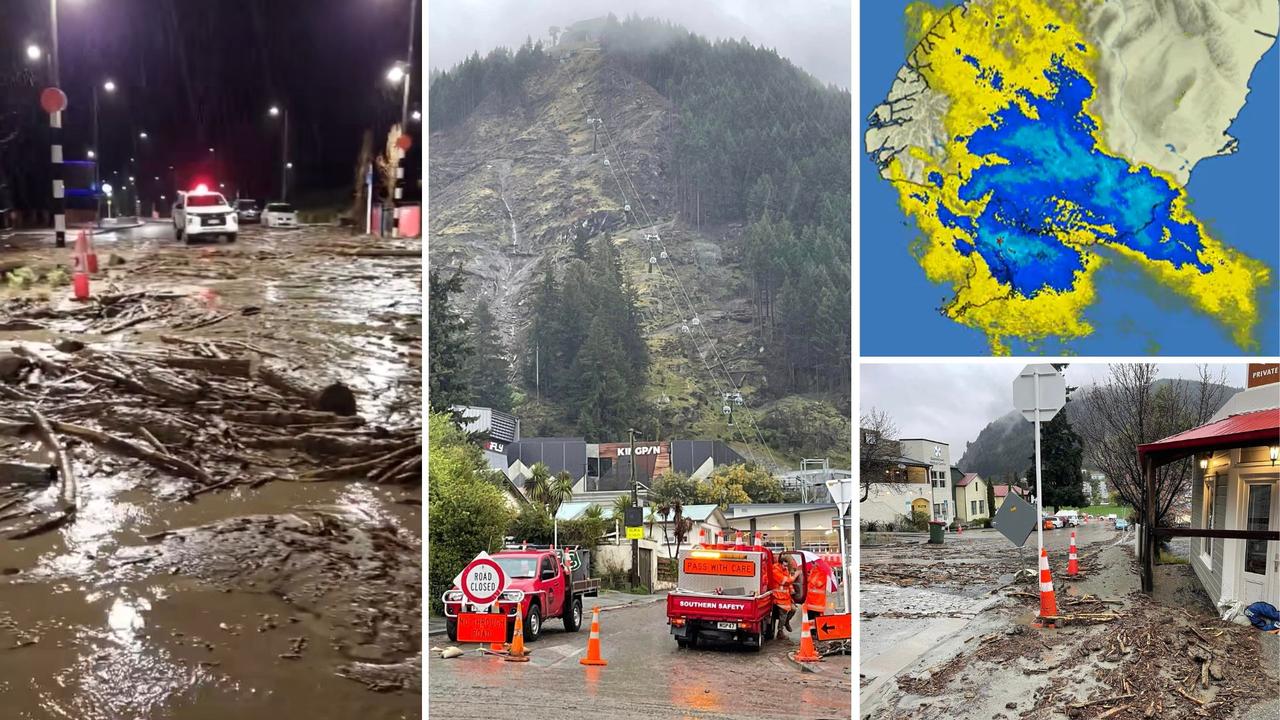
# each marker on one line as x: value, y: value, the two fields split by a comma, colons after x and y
x: 938, y: 511
x: 547, y: 566
x: 973, y: 507
x: 205, y: 200
x: 279, y: 207
x: 1257, y: 517
x: 982, y: 507
x: 1206, y: 544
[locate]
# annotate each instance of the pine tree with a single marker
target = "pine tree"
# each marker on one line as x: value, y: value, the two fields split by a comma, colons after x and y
x: 449, y: 349
x: 487, y: 369
x: 1061, y: 457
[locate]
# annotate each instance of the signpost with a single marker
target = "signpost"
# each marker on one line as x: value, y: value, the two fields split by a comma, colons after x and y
x: 1039, y: 392
x: 841, y: 490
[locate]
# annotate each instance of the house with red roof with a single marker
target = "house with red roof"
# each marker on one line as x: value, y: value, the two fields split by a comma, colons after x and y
x: 1235, y: 498
x: 970, y: 492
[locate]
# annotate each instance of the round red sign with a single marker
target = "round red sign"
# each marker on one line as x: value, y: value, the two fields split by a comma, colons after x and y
x: 53, y: 100
x: 483, y: 581
x: 404, y: 142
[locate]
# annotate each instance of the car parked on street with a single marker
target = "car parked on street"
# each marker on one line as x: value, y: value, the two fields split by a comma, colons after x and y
x: 247, y: 211
x: 278, y: 214
x: 1122, y: 524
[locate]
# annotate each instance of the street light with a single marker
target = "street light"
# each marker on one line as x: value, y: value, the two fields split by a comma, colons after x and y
x: 396, y: 73
x: 110, y: 87
x: 142, y: 136
x: 417, y: 116
x: 283, y: 114
x: 90, y: 156
x: 33, y: 52
x: 210, y: 149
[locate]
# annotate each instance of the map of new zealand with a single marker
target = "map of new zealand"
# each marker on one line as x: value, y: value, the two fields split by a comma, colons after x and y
x: 1032, y: 144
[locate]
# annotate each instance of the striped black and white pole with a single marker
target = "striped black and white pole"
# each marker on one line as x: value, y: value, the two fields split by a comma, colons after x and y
x: 399, y: 194
x: 59, y: 188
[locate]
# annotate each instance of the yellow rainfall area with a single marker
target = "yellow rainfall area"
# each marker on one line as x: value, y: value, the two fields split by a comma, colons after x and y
x: 1020, y: 39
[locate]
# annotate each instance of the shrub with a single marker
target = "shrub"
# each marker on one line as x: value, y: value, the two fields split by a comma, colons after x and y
x: 532, y: 525
x: 468, y: 513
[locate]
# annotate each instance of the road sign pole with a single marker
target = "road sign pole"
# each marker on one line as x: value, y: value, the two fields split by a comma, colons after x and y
x: 1039, y: 496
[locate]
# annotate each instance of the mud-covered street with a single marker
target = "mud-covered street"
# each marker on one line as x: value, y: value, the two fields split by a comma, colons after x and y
x: 214, y: 477
x: 648, y: 676
x: 948, y: 632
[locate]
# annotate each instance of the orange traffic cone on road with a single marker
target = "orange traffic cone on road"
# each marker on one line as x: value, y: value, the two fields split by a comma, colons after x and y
x: 702, y: 536
x: 1048, y: 603
x: 80, y: 275
x: 517, y: 653
x: 807, y: 653
x: 91, y: 255
x: 593, y: 643
x: 1073, y: 563
x: 959, y: 529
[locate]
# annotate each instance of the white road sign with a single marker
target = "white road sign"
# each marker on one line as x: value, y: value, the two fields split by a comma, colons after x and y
x: 481, y: 581
x: 1048, y: 398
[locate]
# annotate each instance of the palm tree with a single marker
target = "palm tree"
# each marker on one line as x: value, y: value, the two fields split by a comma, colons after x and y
x: 559, y: 491
x: 620, y: 505
x: 538, y: 485
x: 594, y: 512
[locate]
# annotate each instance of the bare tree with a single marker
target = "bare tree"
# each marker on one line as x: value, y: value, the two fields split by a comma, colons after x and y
x: 878, y: 451
x: 1132, y: 409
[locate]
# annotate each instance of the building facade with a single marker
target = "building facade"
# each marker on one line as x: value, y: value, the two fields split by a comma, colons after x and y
x: 1238, y: 488
x: 937, y: 455
x: 971, y: 498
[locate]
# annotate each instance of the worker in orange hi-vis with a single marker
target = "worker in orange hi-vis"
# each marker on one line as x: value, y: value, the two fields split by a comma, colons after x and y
x: 815, y: 599
x: 784, y: 578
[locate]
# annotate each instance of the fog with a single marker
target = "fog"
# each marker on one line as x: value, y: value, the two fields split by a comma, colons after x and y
x: 951, y: 403
x: 815, y: 36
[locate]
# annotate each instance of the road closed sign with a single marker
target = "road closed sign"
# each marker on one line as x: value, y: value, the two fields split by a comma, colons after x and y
x: 482, y: 581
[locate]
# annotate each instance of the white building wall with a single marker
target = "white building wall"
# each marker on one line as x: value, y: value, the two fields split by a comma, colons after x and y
x: 938, y: 456
x: 891, y: 502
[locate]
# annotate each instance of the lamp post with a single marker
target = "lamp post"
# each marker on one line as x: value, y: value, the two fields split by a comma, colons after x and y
x: 276, y: 111
x: 110, y: 87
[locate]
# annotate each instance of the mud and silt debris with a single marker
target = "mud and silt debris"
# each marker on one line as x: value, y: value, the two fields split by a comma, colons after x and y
x: 1149, y: 660
x: 211, y: 414
x: 360, y: 580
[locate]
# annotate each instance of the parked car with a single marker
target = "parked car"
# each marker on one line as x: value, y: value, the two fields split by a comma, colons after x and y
x: 279, y: 214
x: 247, y: 210
x: 1069, y: 520
x: 1122, y: 524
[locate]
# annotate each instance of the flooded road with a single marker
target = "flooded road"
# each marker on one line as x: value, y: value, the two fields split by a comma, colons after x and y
x: 648, y: 676
x: 236, y: 542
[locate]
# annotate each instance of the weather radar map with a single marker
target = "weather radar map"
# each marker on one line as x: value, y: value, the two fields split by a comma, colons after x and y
x: 1033, y: 143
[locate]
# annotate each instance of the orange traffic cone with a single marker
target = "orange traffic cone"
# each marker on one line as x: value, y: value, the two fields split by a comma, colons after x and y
x: 1048, y: 603
x: 593, y: 643
x: 1073, y: 563
x: 702, y: 536
x: 517, y: 653
x: 80, y: 276
x: 959, y: 529
x: 737, y: 537
x: 807, y: 653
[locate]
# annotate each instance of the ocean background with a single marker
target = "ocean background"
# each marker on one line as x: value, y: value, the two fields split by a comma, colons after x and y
x: 1235, y: 196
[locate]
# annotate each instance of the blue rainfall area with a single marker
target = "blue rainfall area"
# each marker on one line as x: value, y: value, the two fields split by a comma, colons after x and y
x: 1054, y: 157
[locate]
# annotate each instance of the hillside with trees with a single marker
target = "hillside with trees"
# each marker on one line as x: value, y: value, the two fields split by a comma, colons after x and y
x: 653, y: 220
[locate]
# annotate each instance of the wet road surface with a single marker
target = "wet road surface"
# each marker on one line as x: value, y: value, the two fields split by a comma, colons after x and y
x: 255, y: 601
x: 647, y: 677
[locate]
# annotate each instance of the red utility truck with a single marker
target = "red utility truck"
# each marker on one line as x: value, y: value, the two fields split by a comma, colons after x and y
x: 725, y: 593
x: 553, y: 582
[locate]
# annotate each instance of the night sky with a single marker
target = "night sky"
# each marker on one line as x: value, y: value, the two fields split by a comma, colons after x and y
x: 196, y: 74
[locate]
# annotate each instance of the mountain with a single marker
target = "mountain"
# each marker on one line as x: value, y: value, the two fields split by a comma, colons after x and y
x: 719, y: 173
x: 1004, y: 447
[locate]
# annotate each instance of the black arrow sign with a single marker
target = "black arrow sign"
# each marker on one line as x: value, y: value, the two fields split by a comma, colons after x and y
x: 828, y: 628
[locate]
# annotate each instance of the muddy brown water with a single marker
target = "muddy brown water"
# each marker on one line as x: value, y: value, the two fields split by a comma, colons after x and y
x: 281, y: 601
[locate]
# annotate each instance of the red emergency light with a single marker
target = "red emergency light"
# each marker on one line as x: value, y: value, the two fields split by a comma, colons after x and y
x: 201, y: 188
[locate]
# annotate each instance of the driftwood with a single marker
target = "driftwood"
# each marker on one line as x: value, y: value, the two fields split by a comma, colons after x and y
x: 361, y: 468
x: 69, y: 490
x: 55, y: 521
